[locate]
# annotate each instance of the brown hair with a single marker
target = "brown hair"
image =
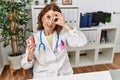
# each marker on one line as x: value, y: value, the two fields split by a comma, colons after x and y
x: 48, y: 7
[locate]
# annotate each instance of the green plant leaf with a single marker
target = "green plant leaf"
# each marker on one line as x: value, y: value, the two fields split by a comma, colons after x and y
x: 13, y: 23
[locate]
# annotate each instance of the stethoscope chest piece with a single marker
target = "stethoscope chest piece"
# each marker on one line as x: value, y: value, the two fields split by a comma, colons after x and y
x: 56, y: 52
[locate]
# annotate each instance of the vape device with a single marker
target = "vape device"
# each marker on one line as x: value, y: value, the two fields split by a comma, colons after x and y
x: 32, y: 40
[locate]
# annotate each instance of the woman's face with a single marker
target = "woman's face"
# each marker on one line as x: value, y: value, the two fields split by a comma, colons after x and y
x: 48, y: 21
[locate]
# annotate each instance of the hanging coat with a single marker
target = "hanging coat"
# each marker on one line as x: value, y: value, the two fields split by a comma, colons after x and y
x: 57, y: 64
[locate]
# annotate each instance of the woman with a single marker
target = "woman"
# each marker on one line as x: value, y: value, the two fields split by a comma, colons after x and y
x: 48, y: 55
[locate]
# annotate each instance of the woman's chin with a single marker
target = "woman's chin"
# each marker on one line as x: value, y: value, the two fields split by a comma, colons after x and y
x: 49, y: 29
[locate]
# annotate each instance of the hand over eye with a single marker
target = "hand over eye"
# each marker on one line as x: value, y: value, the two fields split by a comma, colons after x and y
x: 56, y: 19
x: 59, y: 19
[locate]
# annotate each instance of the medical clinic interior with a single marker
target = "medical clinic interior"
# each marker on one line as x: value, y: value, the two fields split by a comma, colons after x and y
x: 97, y: 20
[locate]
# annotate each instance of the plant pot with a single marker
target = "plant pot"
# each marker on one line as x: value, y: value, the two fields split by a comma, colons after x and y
x: 15, y: 61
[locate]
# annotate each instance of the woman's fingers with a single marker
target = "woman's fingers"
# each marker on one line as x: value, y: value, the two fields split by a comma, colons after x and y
x: 28, y: 40
x: 57, y: 14
x: 30, y: 47
x: 58, y: 18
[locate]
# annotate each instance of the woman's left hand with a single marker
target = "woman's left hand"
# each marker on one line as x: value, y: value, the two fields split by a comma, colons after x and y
x: 59, y: 19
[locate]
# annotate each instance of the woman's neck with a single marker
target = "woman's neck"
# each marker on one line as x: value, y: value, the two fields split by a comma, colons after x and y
x: 48, y: 32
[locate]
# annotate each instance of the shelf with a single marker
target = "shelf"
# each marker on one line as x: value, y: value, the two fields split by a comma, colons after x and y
x: 72, y: 58
x: 91, y: 28
x: 92, y: 36
x: 86, y: 58
x: 102, y: 59
x: 86, y: 47
x: 108, y: 35
x: 97, y: 27
x: 61, y: 6
x: 105, y: 55
x: 106, y: 45
x: 97, y: 53
x: 108, y: 27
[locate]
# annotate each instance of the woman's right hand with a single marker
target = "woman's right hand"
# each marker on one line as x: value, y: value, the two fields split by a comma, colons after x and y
x: 31, y: 48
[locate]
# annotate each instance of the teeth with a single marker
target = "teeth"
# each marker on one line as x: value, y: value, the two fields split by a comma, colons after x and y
x: 49, y: 26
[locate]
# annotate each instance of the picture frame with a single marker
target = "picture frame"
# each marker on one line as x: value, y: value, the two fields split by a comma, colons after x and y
x: 67, y: 2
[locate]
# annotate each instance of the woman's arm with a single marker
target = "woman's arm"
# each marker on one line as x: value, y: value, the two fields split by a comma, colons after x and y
x: 75, y: 38
x: 25, y: 63
x: 28, y: 58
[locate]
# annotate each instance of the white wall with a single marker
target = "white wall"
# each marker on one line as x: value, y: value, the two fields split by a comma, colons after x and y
x: 5, y: 52
x: 59, y: 2
x: 116, y: 21
x: 95, y: 5
x: 107, y: 6
x: 87, y: 5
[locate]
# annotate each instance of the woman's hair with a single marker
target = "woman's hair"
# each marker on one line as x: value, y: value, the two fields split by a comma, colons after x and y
x: 48, y: 7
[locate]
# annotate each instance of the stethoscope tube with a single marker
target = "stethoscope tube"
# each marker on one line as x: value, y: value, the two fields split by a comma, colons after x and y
x: 42, y: 44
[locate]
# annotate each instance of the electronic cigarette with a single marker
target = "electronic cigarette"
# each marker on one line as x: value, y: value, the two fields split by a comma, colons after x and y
x: 32, y: 40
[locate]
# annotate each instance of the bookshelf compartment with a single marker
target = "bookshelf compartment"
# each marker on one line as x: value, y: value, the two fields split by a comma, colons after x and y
x: 105, y: 55
x: 72, y: 57
x: 86, y: 57
x: 107, y: 36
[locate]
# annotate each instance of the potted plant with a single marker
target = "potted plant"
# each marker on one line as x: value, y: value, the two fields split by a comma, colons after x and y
x: 13, y: 26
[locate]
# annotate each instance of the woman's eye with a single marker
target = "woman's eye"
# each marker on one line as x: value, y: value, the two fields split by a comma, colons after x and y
x: 48, y: 17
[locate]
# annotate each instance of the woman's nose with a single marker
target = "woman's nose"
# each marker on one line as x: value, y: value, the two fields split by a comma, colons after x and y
x: 51, y: 22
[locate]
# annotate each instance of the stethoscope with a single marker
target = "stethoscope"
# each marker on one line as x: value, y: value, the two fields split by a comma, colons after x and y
x: 41, y: 44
